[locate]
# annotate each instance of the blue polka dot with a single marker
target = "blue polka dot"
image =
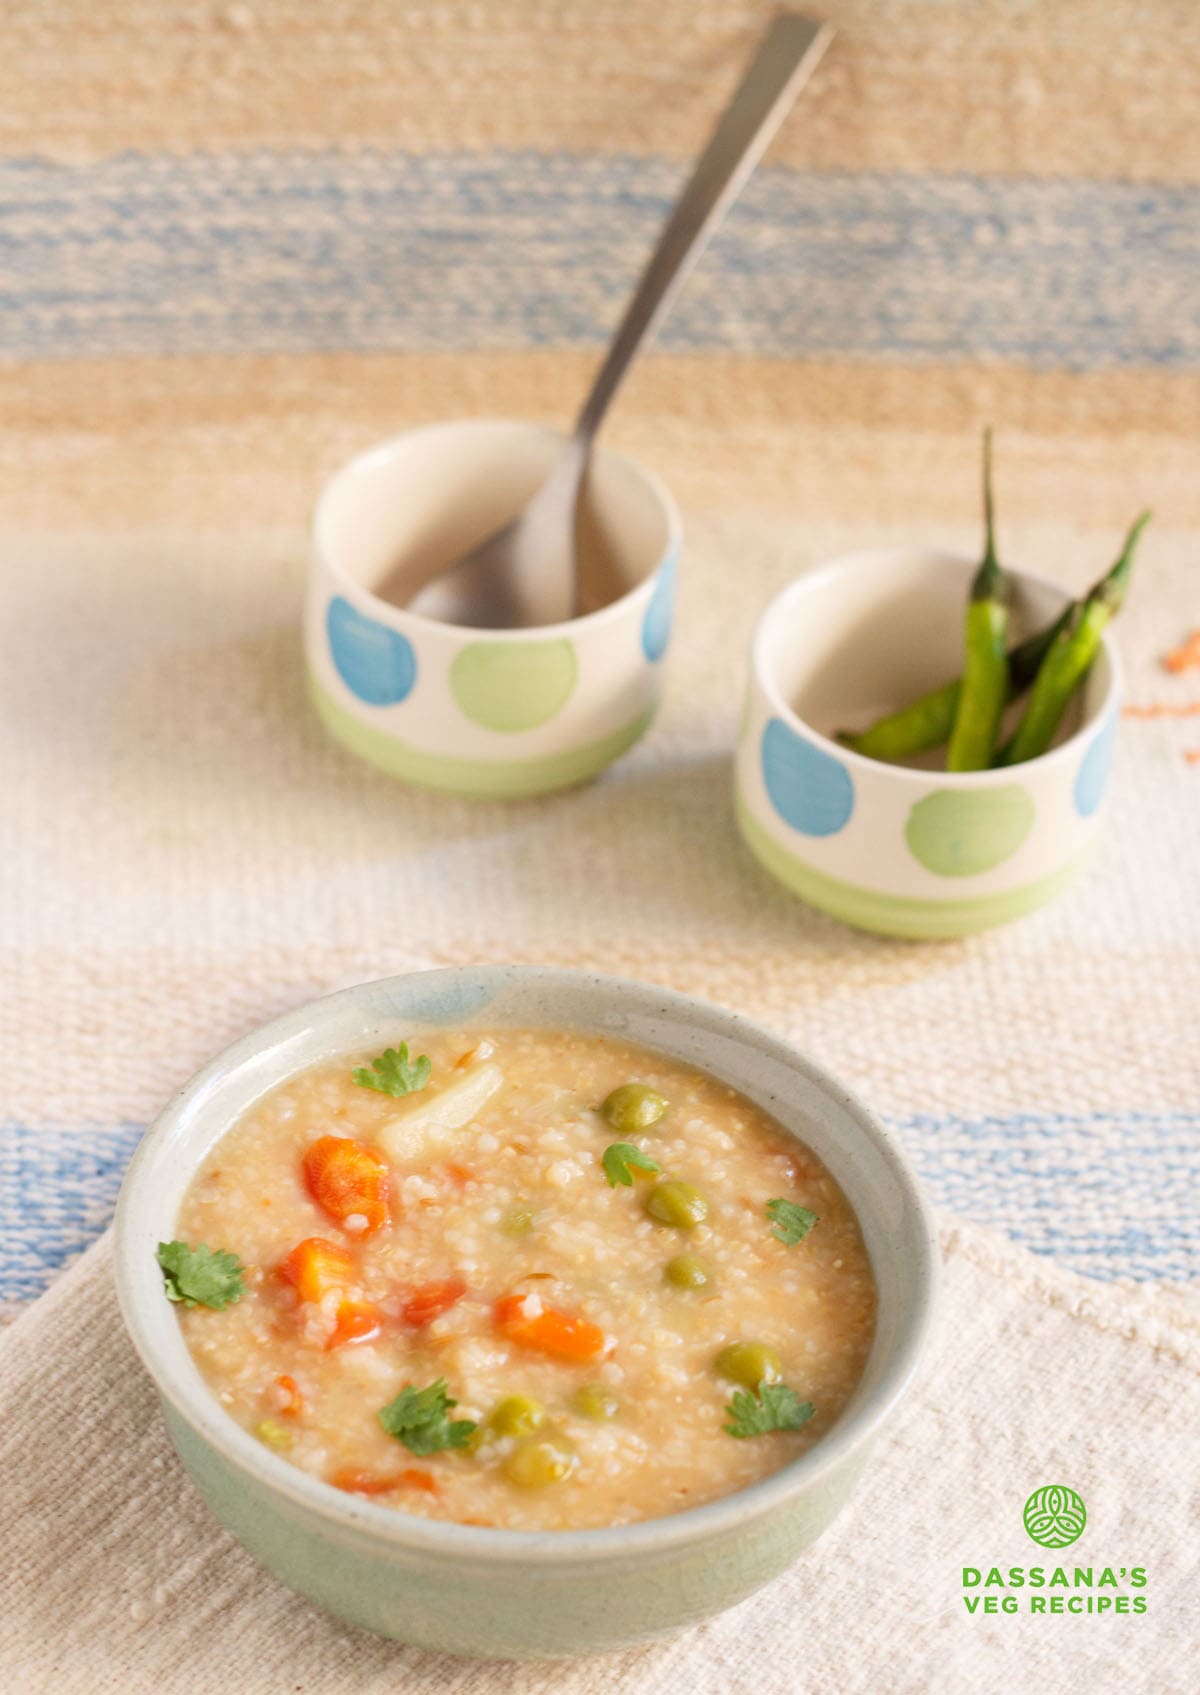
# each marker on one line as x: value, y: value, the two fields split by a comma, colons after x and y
x: 656, y: 625
x: 375, y: 663
x: 809, y: 789
x: 1092, y: 778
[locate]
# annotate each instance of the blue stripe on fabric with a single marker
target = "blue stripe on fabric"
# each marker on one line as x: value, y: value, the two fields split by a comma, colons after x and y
x: 1108, y: 1195
x: 291, y: 252
x: 58, y: 1189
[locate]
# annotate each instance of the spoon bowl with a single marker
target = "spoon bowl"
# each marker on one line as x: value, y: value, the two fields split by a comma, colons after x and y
x: 490, y: 713
x: 526, y: 572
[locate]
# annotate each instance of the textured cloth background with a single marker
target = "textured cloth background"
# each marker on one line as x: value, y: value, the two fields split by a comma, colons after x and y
x: 239, y: 242
x: 145, y: 1593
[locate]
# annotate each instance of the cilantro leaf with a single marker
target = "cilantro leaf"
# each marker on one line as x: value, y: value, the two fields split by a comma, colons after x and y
x: 392, y: 1074
x: 417, y: 1417
x: 773, y: 1407
x: 792, y: 1223
x: 619, y: 1157
x: 200, y: 1277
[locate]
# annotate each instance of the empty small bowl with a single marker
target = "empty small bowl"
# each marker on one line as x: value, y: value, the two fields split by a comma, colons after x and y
x: 497, y: 713
x: 891, y: 848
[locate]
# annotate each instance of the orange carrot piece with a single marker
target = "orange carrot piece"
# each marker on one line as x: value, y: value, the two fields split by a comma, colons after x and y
x: 315, y: 1266
x: 414, y: 1479
x: 564, y: 1335
x: 430, y: 1300
x: 357, y: 1321
x: 370, y: 1483
x: 361, y: 1482
x: 459, y: 1174
x: 293, y: 1405
x: 349, y: 1179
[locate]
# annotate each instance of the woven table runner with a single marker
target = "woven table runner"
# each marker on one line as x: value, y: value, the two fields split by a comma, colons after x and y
x: 239, y: 243
x: 141, y: 1589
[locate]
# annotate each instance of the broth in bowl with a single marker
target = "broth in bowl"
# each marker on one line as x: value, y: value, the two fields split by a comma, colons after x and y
x: 530, y: 1279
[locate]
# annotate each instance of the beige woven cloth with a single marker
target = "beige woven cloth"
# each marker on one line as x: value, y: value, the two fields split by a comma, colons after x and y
x: 139, y: 1591
x: 189, y: 855
x: 184, y: 854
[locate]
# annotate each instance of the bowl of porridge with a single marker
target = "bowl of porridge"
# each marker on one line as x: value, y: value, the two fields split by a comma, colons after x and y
x: 522, y: 1312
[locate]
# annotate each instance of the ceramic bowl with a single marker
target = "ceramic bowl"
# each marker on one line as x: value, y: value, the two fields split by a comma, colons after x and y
x: 483, y: 712
x: 903, y: 851
x: 475, y: 1590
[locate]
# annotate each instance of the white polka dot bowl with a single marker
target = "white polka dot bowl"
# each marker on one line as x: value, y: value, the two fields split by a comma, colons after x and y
x: 898, y: 849
x: 491, y: 713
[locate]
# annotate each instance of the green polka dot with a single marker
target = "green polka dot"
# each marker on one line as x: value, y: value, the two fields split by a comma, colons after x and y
x: 961, y: 832
x: 897, y: 915
x: 514, y: 685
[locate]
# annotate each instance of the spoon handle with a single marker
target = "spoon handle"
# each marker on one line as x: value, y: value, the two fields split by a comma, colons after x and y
x: 789, y: 53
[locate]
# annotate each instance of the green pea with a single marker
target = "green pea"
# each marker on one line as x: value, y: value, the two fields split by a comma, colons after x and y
x: 274, y: 1435
x: 685, y: 1271
x: 633, y: 1107
x: 596, y: 1400
x: 519, y: 1220
x: 539, y: 1461
x: 676, y: 1203
x: 750, y: 1363
x: 516, y: 1415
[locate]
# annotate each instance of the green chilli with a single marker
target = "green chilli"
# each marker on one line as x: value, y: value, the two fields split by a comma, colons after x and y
x: 927, y: 722
x: 983, y: 693
x: 1070, y: 656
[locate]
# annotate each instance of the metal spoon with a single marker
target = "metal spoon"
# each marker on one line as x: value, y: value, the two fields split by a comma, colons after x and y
x: 525, y: 574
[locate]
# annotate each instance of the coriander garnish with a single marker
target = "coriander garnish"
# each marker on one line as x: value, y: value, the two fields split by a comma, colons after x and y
x: 393, y: 1074
x: 200, y: 1277
x: 618, y: 1159
x: 792, y: 1223
x: 418, y: 1418
x: 773, y: 1406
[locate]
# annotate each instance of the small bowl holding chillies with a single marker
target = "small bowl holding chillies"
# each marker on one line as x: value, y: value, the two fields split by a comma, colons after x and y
x: 927, y: 739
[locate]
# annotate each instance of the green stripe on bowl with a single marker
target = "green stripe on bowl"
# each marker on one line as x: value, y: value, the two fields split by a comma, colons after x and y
x: 897, y: 915
x: 483, y: 779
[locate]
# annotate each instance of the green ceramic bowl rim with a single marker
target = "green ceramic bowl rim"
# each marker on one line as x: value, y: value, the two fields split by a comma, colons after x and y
x: 138, y: 1284
x: 845, y: 564
x: 402, y: 617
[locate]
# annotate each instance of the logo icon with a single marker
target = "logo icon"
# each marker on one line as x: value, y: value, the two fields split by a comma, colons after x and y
x: 1055, y: 1516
